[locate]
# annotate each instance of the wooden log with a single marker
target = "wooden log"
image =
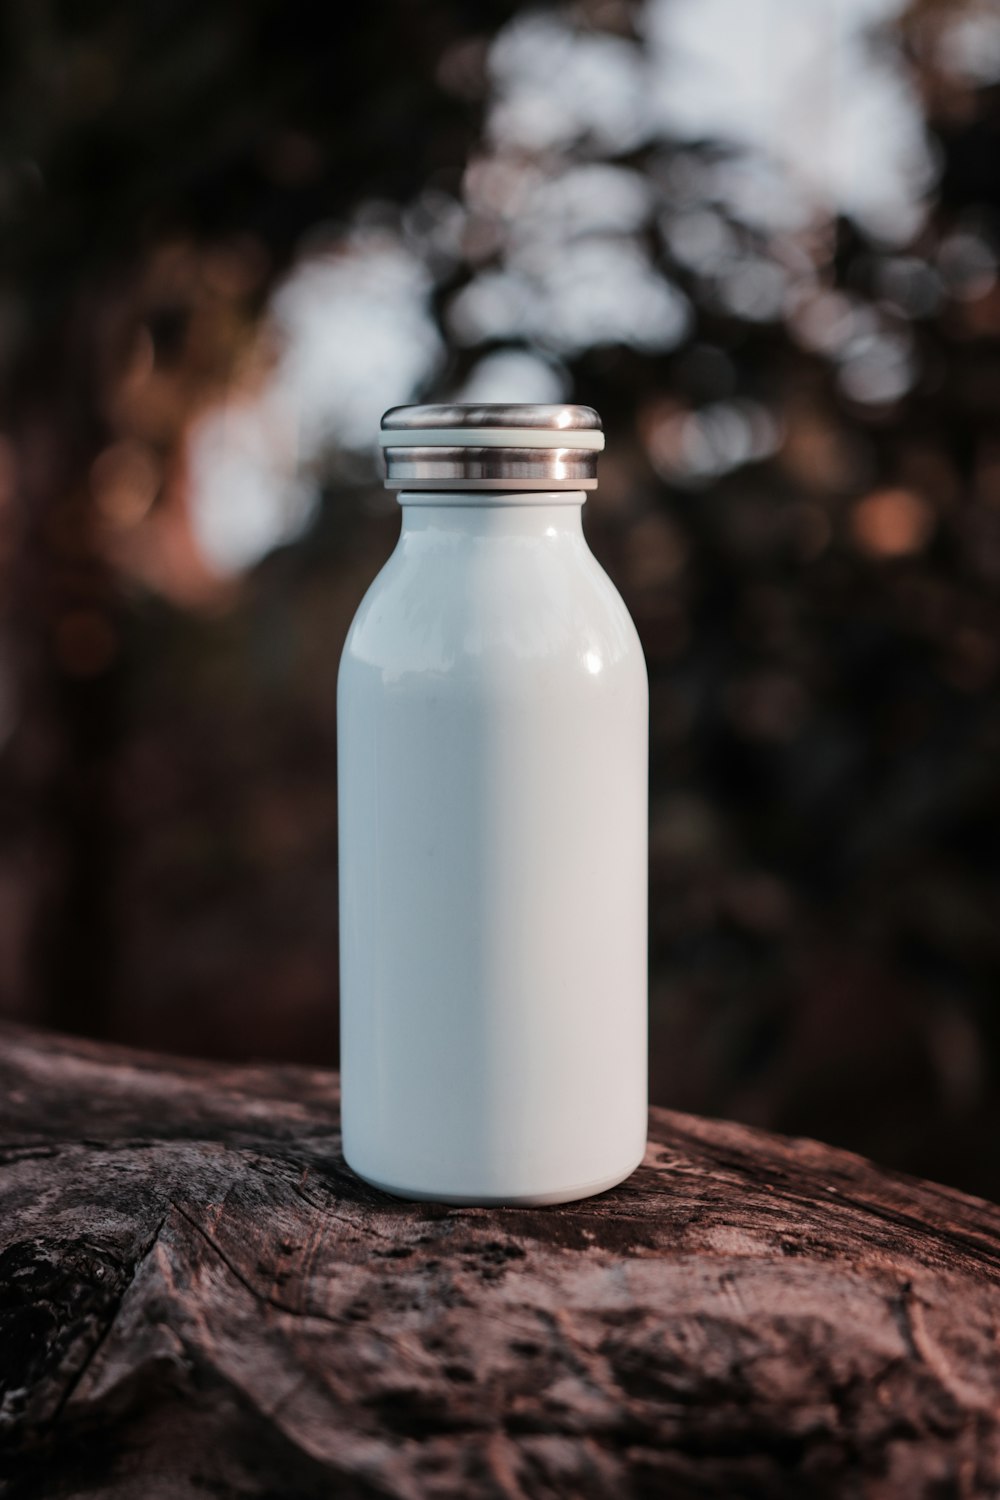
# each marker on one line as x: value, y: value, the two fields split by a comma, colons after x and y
x: 197, y: 1298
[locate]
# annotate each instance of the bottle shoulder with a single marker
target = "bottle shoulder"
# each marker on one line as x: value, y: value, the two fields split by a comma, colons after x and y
x: 507, y: 608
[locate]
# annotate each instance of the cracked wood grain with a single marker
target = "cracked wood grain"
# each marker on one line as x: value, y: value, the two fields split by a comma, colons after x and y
x: 198, y: 1299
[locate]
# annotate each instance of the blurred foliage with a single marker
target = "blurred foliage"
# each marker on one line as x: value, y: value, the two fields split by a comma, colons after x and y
x: 243, y: 229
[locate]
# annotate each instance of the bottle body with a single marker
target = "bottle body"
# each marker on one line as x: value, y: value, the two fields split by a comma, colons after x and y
x: 492, y: 765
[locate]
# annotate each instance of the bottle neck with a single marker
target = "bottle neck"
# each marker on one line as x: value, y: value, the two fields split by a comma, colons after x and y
x: 492, y: 513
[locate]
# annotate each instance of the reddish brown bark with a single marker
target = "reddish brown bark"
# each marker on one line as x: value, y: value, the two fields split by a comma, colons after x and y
x: 197, y: 1298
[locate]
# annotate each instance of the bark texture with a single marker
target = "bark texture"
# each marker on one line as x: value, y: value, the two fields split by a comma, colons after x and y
x: 198, y: 1298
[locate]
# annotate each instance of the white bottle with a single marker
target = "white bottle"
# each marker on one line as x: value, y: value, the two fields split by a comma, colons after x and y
x: 492, y: 744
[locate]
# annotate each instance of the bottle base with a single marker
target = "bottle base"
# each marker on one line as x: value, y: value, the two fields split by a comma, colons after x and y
x: 502, y: 1200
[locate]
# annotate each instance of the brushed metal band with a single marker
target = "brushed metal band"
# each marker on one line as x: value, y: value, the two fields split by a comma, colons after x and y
x: 489, y: 437
x: 524, y: 415
x: 491, y: 447
x: 491, y: 468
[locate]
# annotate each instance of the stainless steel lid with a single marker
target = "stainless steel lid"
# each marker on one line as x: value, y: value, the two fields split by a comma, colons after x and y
x: 511, y: 447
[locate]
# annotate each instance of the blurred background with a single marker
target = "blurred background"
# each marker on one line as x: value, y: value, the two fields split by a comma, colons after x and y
x: 762, y: 239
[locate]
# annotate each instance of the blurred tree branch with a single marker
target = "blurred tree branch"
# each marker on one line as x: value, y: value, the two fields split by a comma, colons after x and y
x: 126, y: 128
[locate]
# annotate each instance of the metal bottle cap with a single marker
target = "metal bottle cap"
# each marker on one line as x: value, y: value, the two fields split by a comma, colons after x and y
x: 512, y: 447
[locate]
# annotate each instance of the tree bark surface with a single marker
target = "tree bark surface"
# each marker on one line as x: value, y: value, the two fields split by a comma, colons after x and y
x: 198, y: 1298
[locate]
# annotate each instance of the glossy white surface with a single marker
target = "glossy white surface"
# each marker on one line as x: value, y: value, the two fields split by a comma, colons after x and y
x: 492, y: 742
